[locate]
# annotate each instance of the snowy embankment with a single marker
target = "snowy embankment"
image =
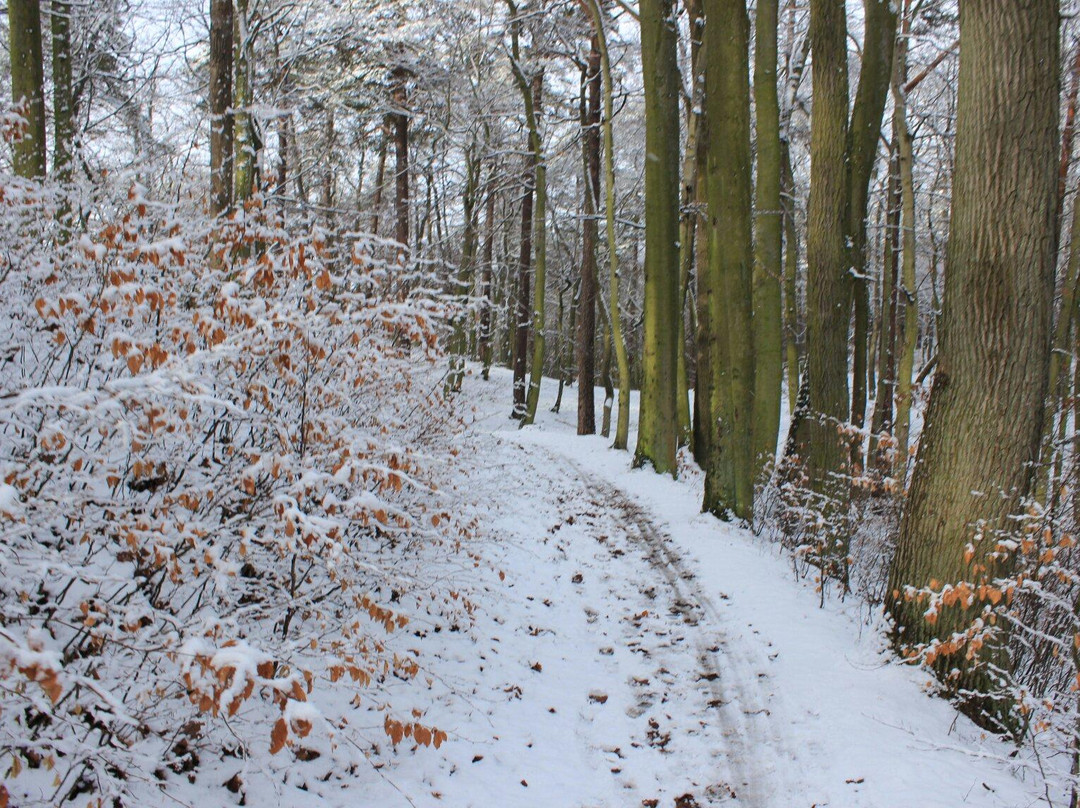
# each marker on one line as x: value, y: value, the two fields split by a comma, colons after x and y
x: 631, y: 651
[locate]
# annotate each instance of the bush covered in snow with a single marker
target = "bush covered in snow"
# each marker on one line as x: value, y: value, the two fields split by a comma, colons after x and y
x: 216, y: 509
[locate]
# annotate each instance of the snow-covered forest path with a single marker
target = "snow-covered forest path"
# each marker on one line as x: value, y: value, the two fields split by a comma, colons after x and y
x: 631, y: 651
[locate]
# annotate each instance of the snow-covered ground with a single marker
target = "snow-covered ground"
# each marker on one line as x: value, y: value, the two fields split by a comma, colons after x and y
x: 631, y: 651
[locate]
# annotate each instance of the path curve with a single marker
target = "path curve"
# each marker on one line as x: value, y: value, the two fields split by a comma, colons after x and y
x: 757, y: 762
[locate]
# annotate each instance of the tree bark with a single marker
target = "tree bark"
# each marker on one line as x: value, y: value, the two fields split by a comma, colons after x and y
x: 874, y: 79
x: 981, y: 437
x: 725, y: 361
x: 768, y: 242
x: 622, y: 421
x: 689, y: 218
x: 586, y: 319
x: 28, y: 85
x: 658, y: 438
x: 63, y: 98
x: 523, y: 318
x: 244, y: 154
x: 400, y: 123
x: 486, y: 325
x: 221, y: 123
x: 909, y: 292
x: 536, y: 371
x: 884, y: 418
x: 819, y: 441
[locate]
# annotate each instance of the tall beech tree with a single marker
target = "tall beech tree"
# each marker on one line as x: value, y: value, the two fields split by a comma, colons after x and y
x: 875, y: 76
x: 725, y: 358
x: 981, y: 434
x: 585, y: 343
x: 522, y: 312
x: 818, y: 439
x: 658, y: 438
x: 614, y: 315
x: 63, y: 94
x: 908, y: 325
x: 400, y: 123
x: 221, y: 124
x: 28, y: 85
x: 688, y: 225
x: 768, y: 240
x: 245, y: 157
x: 533, y: 106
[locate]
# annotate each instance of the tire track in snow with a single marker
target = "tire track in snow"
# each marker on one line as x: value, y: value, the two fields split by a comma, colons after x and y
x: 756, y: 759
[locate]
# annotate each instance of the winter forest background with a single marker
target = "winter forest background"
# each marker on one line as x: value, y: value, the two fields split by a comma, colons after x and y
x: 280, y: 280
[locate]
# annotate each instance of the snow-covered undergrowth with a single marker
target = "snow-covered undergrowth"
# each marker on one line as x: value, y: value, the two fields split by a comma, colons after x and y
x: 219, y: 510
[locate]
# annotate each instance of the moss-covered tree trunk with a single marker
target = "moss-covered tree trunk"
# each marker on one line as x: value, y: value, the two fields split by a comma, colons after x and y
x: 768, y: 242
x: 874, y: 78
x: 1051, y: 453
x: 27, y: 85
x: 658, y: 425
x: 819, y: 439
x: 725, y: 285
x: 981, y: 435
x: 585, y: 342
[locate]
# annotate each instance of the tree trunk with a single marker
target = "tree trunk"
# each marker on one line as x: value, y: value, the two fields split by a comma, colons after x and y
x: 622, y: 423
x: 793, y: 354
x: 463, y: 283
x: 536, y: 372
x: 725, y: 360
x: 221, y: 123
x: 63, y: 100
x: 244, y: 155
x: 819, y: 439
x: 605, y: 372
x: 523, y: 319
x: 909, y: 292
x: 658, y: 436
x: 874, y: 78
x: 768, y: 242
x: 400, y: 119
x: 884, y: 420
x: 28, y: 85
x: 983, y: 422
x: 586, y: 321
x: 380, y: 177
x: 1050, y: 455
x: 486, y: 330
x: 795, y: 62
x: 688, y: 226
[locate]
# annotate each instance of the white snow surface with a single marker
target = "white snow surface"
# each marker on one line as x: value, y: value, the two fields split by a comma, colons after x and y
x: 640, y: 653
